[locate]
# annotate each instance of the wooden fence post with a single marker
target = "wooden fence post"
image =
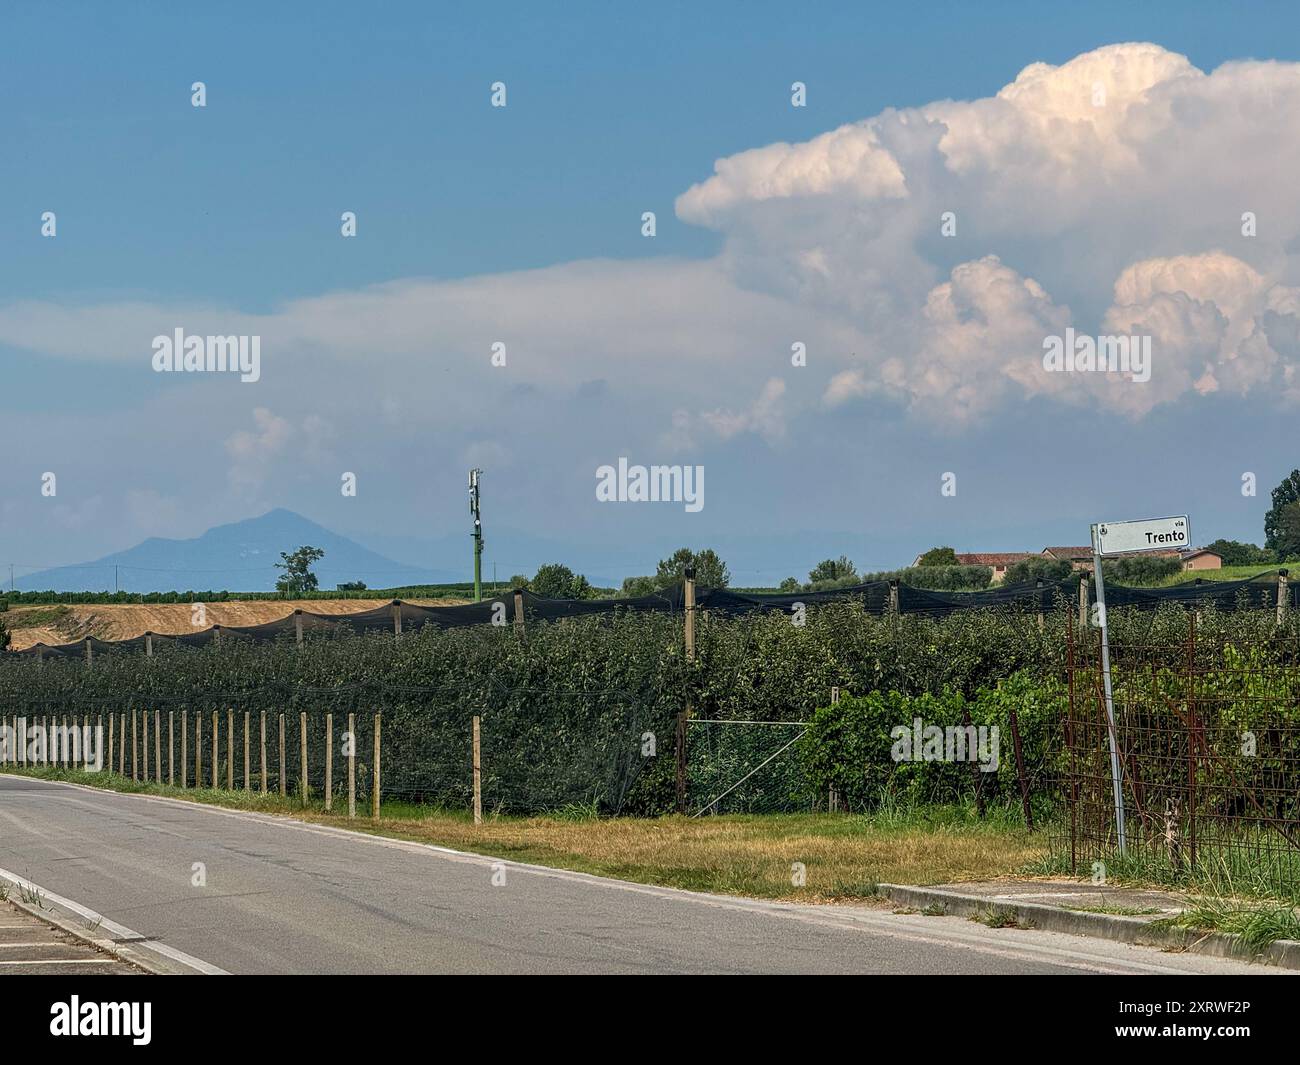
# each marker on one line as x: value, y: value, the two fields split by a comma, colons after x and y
x: 302, y: 779
x: 171, y: 748
x: 112, y: 720
x: 263, y: 739
x: 893, y: 598
x: 185, y: 749
x: 216, y: 758
x: 198, y: 748
x: 157, y: 746
x: 135, y: 744
x: 121, y: 746
x: 352, y: 765
x: 1038, y: 602
x: 397, y: 617
x: 519, y: 613
x: 329, y: 762
x: 144, y: 745
x: 1281, y: 596
x: 688, y: 594
x: 1083, y: 602
x: 284, y: 783
x: 374, y: 790
x: 247, y: 760
x: 478, y: 778
x: 297, y: 626
x: 148, y: 644
x: 230, y: 749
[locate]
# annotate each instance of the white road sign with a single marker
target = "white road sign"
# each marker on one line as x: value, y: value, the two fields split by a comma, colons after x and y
x: 1150, y: 534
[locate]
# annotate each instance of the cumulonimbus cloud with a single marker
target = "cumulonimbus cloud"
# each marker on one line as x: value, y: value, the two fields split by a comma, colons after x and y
x: 922, y: 255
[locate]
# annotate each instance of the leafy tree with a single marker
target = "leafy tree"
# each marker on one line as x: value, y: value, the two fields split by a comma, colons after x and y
x: 4, y: 636
x: 298, y: 577
x: 1048, y: 570
x: 637, y: 586
x: 1284, y: 495
x: 1236, y: 553
x: 939, y: 556
x: 520, y: 581
x: 556, y: 581
x: 1287, y: 538
x: 790, y: 584
x: 833, y: 569
x: 710, y: 570
x: 352, y: 586
x: 1141, y: 569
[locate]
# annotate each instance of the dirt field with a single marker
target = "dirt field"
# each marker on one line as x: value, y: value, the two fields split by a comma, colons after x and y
x: 30, y: 625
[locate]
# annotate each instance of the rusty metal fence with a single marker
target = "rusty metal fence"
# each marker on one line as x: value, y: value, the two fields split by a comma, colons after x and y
x: 1209, y: 748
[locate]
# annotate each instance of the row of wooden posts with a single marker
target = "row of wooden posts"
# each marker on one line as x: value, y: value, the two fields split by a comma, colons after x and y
x: 116, y: 750
x: 16, y: 752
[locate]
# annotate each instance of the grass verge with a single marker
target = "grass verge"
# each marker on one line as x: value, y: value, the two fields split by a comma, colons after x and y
x: 838, y: 857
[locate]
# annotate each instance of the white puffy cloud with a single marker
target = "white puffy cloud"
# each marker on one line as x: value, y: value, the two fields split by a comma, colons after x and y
x: 1104, y: 195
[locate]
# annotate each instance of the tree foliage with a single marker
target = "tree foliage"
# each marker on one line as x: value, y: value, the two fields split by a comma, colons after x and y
x: 710, y: 570
x: 1284, y: 495
x: 938, y: 556
x: 1037, y: 567
x: 833, y: 569
x: 554, y: 580
x: 298, y: 577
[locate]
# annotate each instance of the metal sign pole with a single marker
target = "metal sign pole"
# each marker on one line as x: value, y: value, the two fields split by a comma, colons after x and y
x: 1116, y: 783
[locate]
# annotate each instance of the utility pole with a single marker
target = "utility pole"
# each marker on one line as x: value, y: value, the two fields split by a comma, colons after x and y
x: 477, y: 534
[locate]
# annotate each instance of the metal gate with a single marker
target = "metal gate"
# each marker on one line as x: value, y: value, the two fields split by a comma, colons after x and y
x: 1208, y: 732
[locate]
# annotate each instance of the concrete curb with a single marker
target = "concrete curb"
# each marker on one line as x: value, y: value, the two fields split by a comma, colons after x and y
x: 103, y: 934
x: 1283, y: 953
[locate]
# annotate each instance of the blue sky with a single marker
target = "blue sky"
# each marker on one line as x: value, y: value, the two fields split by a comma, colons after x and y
x: 232, y: 210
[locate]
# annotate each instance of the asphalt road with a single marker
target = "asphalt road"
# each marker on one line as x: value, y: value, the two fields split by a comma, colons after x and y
x: 280, y: 896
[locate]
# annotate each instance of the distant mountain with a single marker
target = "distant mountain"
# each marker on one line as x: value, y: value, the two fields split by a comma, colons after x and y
x: 237, y: 557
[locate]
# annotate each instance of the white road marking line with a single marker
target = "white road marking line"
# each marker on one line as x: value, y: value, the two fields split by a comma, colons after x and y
x: 64, y: 961
x: 116, y: 931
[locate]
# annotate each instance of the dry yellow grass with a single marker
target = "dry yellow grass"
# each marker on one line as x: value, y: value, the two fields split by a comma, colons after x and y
x: 844, y: 856
x: 123, y: 621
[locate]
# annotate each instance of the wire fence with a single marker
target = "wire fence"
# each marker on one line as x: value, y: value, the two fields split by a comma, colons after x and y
x: 1208, y: 742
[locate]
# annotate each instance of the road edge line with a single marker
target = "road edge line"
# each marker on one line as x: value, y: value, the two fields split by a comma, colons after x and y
x: 129, y: 946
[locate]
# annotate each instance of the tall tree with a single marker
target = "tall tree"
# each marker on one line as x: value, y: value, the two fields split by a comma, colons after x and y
x: 832, y: 569
x: 298, y: 577
x: 710, y: 570
x: 1286, y: 493
x: 1288, y: 532
x: 556, y: 581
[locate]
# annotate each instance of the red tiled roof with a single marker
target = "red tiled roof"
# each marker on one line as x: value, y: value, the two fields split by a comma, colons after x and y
x: 994, y: 558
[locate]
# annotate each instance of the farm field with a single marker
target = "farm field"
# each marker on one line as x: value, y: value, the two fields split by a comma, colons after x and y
x: 64, y: 623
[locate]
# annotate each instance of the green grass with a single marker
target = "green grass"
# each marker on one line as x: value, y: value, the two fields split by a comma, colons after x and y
x: 1227, y: 573
x: 1258, y: 926
x: 1254, y: 868
x: 843, y: 856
